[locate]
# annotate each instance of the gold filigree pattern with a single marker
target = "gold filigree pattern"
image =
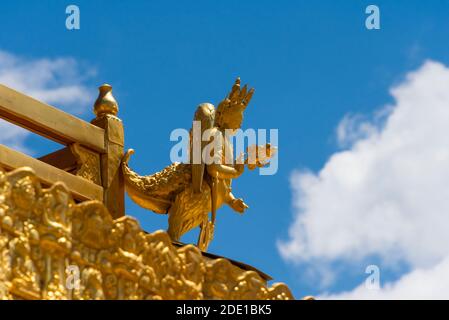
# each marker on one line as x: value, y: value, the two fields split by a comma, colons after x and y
x: 53, y: 248
x: 88, y: 163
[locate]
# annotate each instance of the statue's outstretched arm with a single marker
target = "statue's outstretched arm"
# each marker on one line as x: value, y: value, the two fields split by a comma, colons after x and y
x: 222, y: 171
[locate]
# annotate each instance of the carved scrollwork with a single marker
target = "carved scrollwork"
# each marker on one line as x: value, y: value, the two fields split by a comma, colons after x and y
x: 88, y: 163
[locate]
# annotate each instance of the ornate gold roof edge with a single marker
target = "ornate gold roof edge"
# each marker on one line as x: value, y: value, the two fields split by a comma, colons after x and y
x: 54, y: 248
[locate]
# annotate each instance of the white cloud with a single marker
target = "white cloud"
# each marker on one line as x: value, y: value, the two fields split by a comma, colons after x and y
x: 56, y: 81
x: 14, y: 137
x: 388, y: 194
x: 354, y: 127
x: 432, y: 283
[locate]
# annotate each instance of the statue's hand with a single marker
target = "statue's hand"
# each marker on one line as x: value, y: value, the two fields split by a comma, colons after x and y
x: 240, y: 167
x: 259, y: 156
x: 238, y: 205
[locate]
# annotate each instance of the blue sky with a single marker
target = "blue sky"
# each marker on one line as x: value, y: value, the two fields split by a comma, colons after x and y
x: 311, y: 63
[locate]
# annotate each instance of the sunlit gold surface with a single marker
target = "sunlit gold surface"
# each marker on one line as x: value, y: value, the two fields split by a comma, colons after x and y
x: 105, y: 109
x: 48, y: 121
x: 105, y: 103
x: 189, y: 192
x: 43, y: 232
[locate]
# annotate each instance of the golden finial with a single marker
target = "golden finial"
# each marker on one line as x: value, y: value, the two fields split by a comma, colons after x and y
x: 105, y: 103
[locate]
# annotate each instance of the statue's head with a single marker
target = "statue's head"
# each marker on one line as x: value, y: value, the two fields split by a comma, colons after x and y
x: 229, y: 113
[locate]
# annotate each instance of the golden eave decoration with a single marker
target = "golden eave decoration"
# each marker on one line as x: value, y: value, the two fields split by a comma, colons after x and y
x: 63, y: 229
x: 43, y: 232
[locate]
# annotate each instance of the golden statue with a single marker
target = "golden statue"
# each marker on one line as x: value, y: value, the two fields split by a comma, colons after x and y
x: 63, y: 229
x: 188, y: 192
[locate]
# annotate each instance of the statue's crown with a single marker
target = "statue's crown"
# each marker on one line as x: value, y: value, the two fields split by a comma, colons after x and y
x: 237, y: 98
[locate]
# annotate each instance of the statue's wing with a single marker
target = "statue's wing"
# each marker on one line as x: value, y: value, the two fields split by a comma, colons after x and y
x: 204, y: 116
